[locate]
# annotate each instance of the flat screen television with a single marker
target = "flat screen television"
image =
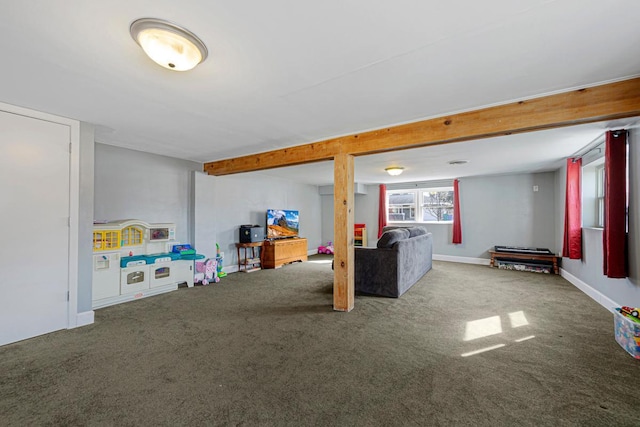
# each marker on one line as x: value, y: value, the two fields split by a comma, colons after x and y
x: 282, y: 223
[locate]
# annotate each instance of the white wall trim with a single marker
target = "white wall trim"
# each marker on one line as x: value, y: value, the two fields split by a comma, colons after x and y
x: 85, y: 318
x: 461, y: 259
x: 74, y: 224
x: 595, y: 294
x: 234, y: 268
x: 143, y: 293
x: 436, y: 257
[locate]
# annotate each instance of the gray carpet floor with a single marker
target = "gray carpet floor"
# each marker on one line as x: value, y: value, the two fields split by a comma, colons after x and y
x: 467, y: 345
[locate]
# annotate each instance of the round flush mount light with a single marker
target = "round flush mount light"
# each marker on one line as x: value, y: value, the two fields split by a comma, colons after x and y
x: 394, y: 170
x: 458, y: 162
x: 168, y: 44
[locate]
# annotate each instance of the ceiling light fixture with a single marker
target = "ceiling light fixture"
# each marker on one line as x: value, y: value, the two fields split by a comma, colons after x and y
x: 168, y: 44
x: 394, y: 170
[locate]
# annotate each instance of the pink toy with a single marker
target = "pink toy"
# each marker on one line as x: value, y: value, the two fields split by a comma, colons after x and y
x: 206, y: 272
x: 326, y: 249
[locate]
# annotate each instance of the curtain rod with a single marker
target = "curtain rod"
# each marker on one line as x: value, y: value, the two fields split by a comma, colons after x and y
x: 599, y: 140
x: 596, y: 143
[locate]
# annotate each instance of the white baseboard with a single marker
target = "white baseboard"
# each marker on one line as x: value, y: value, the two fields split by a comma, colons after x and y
x: 230, y: 269
x: 234, y: 268
x: 143, y: 293
x: 595, y: 294
x: 461, y: 259
x: 85, y: 318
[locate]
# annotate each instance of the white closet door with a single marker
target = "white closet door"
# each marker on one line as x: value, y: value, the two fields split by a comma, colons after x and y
x: 34, y: 213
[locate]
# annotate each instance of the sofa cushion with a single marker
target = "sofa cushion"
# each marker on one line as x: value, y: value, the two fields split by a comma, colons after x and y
x: 389, y: 238
x: 416, y: 231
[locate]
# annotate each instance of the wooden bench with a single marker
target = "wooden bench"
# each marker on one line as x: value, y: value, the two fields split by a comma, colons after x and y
x: 497, y: 255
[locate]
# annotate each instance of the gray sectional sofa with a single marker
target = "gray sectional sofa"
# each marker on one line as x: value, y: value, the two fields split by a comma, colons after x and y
x: 402, y: 256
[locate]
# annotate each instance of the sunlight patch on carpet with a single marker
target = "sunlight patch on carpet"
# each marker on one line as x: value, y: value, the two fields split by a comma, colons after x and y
x: 482, y: 328
x: 482, y: 350
x: 518, y: 319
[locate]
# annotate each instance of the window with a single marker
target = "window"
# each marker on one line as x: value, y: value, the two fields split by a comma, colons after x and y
x: 402, y: 205
x: 593, y: 187
x: 437, y: 205
x: 600, y: 194
x: 420, y: 205
x: 593, y: 192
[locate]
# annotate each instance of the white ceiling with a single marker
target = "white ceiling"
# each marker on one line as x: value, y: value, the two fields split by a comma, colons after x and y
x: 283, y: 73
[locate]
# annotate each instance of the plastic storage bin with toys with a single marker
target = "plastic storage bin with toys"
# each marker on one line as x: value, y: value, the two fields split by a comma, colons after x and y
x: 627, y: 329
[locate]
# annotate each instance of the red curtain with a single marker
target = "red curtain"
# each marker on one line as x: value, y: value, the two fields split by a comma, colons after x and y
x: 614, y: 248
x: 382, y: 209
x: 572, y: 247
x: 457, y: 228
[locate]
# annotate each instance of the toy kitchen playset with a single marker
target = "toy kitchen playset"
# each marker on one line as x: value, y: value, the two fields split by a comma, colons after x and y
x: 135, y: 259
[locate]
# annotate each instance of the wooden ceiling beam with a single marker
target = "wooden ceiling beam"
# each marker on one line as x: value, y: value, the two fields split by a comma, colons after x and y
x: 300, y: 154
x: 592, y: 104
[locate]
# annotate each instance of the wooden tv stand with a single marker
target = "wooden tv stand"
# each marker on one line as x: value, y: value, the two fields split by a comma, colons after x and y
x: 276, y: 253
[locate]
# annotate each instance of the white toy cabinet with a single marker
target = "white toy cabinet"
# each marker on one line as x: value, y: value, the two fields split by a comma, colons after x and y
x: 132, y: 259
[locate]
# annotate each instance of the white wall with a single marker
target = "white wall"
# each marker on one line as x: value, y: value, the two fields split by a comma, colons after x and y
x: 495, y: 210
x: 327, y: 217
x: 589, y: 270
x: 206, y: 209
x: 245, y: 198
x: 135, y: 185
x: 504, y: 210
x: 365, y: 212
x: 85, y: 218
